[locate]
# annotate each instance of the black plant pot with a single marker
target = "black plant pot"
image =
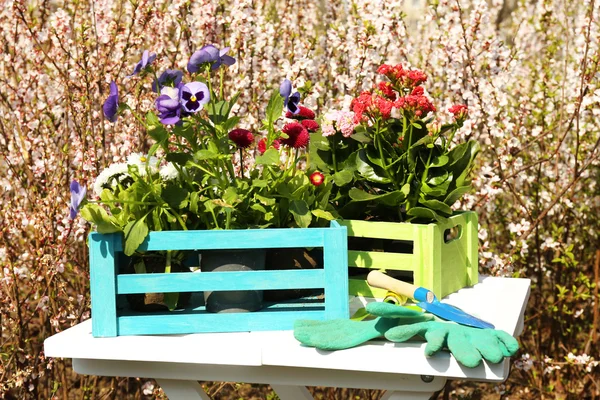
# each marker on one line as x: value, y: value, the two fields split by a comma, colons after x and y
x: 233, y: 260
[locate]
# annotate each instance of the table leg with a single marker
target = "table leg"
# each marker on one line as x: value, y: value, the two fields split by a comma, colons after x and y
x: 182, y: 390
x: 286, y: 392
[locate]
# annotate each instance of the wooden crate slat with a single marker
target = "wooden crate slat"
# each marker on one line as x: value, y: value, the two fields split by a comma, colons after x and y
x: 103, y: 285
x: 220, y: 239
x: 233, y: 280
x: 379, y: 230
x: 203, y: 322
x: 378, y: 259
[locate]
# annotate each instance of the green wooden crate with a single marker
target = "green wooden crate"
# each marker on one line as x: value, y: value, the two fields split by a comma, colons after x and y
x: 436, y: 263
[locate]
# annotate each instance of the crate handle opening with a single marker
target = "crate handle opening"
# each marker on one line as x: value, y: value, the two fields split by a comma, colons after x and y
x: 452, y: 234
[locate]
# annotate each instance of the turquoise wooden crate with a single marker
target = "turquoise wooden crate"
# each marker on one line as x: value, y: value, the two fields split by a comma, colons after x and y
x: 107, y: 283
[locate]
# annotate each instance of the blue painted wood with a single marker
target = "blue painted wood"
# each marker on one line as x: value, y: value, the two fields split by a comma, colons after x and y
x: 200, y: 281
x: 335, y: 255
x: 106, y: 283
x: 222, y: 239
x: 175, y: 323
x: 103, y: 284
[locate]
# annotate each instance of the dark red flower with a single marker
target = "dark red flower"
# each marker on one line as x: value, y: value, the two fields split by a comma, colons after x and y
x: 241, y: 137
x: 304, y: 113
x: 310, y: 124
x: 262, y: 145
x: 298, y: 136
x: 317, y: 178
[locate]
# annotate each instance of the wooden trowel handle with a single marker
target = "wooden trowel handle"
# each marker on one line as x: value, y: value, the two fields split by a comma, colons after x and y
x: 380, y: 280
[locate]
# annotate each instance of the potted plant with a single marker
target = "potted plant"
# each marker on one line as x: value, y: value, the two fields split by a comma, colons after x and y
x: 392, y: 161
x: 204, y: 172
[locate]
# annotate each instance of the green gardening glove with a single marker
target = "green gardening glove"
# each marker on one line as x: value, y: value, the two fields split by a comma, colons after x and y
x: 344, y: 333
x: 468, y: 345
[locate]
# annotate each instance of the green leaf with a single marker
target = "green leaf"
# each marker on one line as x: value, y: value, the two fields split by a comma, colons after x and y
x: 440, y: 161
x: 171, y: 299
x: 437, y: 206
x: 258, y: 207
x: 457, y: 194
x: 323, y: 214
x: 301, y: 213
x: 194, y: 197
x: 140, y: 267
x: 270, y: 157
x: 426, y: 214
x: 394, y: 198
x: 342, y: 178
x: 260, y: 183
x: 433, y: 191
x: 267, y: 201
x: 230, y: 123
x: 366, y: 170
x: 179, y: 158
x: 175, y: 196
x: 274, y: 108
x: 438, y: 179
x: 361, y: 137
x: 231, y: 196
x: 205, y: 155
x: 97, y: 215
x: 135, y: 234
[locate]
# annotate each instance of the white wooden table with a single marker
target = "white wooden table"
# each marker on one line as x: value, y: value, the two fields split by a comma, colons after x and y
x: 177, y: 362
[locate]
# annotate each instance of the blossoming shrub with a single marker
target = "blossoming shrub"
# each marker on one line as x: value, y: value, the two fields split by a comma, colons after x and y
x: 529, y: 78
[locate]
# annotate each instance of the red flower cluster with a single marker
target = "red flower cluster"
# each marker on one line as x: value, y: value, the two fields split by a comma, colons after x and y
x: 241, y: 137
x: 262, y: 145
x: 298, y: 136
x: 387, y: 90
x: 460, y: 111
x: 416, y: 102
x: 402, y: 77
x: 360, y: 105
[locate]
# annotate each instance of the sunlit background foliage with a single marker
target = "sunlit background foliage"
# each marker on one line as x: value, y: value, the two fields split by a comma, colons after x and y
x: 528, y: 71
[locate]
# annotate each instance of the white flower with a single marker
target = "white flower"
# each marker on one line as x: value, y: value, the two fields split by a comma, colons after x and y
x: 169, y: 172
x: 104, y: 179
x: 143, y: 163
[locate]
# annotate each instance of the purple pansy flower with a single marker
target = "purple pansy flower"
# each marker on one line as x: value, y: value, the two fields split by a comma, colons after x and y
x: 193, y: 96
x: 290, y: 101
x: 168, y: 106
x: 207, y: 54
x: 147, y: 59
x: 223, y: 59
x: 168, y: 77
x: 111, y: 105
x: 77, y: 195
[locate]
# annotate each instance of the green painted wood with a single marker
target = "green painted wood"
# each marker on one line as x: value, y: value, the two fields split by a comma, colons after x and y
x: 379, y: 230
x: 443, y: 267
x: 103, y: 284
x: 201, y: 281
x: 375, y: 259
x: 202, y: 322
x: 107, y: 283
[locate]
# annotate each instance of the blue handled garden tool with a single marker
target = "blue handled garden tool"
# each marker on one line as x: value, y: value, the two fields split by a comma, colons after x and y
x: 426, y: 299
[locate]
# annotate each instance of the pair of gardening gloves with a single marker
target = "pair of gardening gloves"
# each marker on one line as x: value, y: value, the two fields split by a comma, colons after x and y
x: 399, y: 324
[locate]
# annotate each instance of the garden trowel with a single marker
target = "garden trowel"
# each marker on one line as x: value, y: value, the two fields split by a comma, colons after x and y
x: 427, y: 300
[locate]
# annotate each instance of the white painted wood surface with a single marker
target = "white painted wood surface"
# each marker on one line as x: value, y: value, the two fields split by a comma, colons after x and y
x: 275, y: 357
